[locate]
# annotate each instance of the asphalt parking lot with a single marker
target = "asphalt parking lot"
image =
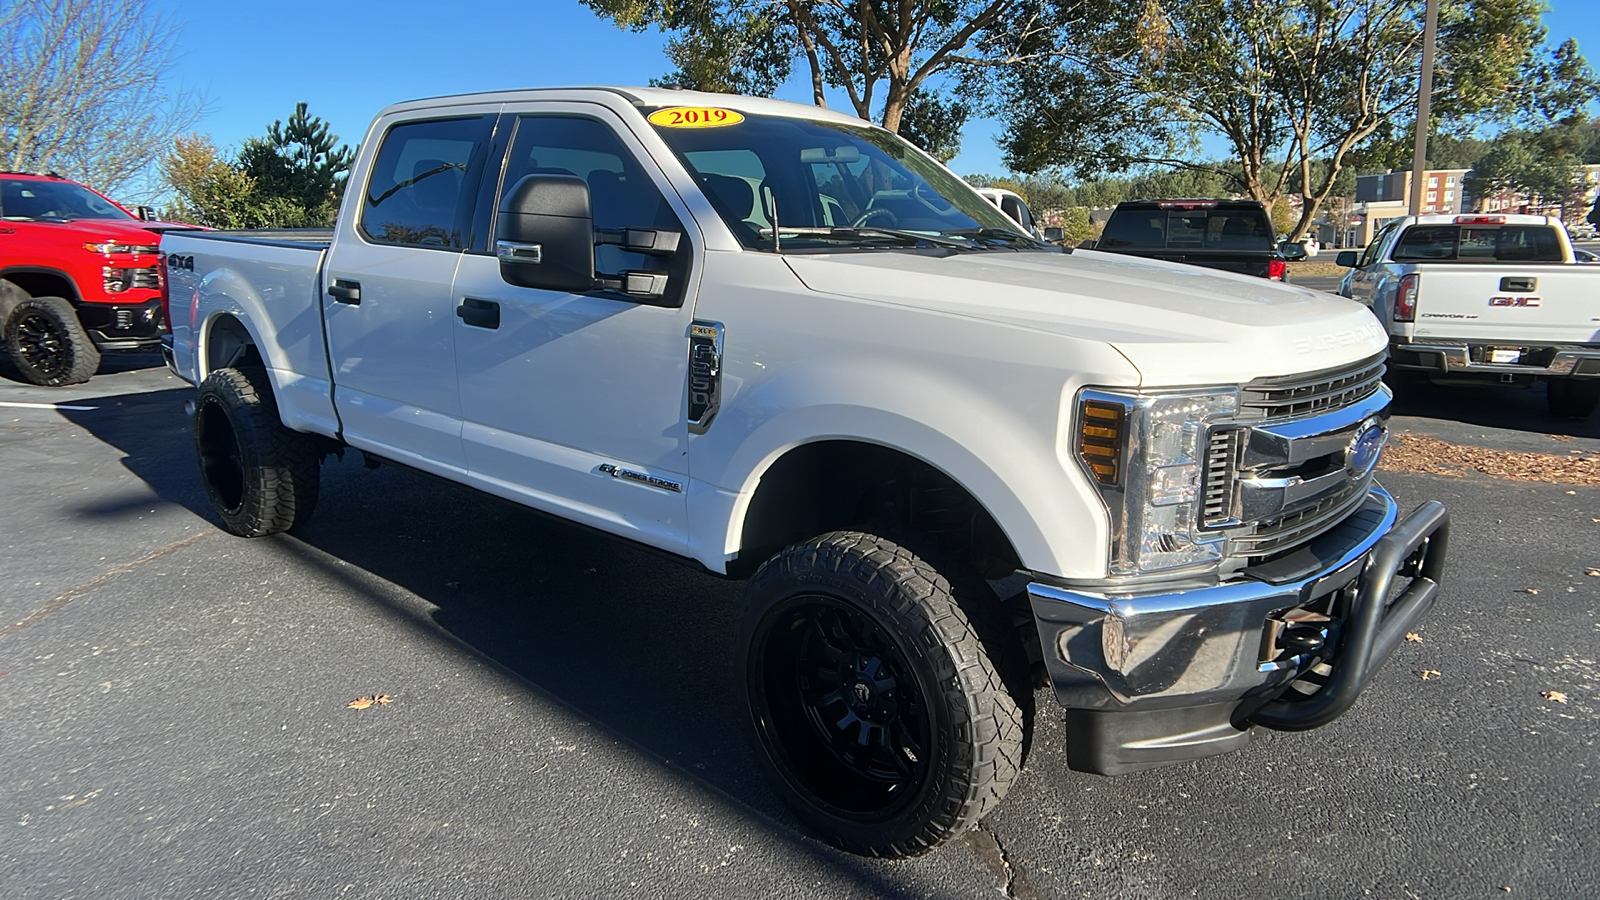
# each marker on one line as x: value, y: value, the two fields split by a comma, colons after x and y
x: 563, y: 724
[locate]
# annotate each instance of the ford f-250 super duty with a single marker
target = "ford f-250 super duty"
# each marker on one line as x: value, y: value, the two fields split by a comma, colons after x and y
x: 787, y: 346
x: 1485, y: 299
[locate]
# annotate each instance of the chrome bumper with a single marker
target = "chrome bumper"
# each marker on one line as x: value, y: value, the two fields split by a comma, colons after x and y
x: 1156, y: 678
x: 1455, y: 358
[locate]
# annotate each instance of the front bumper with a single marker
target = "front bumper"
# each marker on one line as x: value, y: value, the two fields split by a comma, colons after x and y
x: 1150, y: 679
x: 1460, y: 358
x: 122, y: 326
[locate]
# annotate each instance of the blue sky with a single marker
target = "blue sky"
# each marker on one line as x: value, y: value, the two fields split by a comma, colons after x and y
x: 349, y: 58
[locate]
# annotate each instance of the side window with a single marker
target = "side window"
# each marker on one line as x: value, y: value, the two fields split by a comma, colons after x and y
x: 1371, y: 254
x: 422, y: 180
x: 622, y: 194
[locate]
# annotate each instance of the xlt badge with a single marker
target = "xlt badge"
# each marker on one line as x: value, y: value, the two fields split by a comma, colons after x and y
x: 705, y: 374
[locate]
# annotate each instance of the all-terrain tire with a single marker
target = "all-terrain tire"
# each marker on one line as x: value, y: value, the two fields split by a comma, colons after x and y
x: 876, y: 708
x: 1574, y: 398
x: 261, y: 477
x: 47, y: 343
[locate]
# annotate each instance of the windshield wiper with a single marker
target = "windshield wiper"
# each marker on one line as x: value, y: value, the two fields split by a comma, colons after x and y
x: 865, y: 233
x: 989, y: 232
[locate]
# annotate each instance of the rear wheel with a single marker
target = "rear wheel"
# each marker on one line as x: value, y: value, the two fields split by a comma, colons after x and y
x: 47, y: 343
x: 880, y: 716
x: 261, y: 477
x: 1574, y: 398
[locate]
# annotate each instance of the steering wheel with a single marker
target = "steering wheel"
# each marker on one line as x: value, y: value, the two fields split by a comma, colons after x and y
x: 931, y: 199
x: 874, y: 213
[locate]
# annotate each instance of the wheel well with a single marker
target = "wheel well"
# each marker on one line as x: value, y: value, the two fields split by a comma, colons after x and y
x: 229, y: 345
x: 42, y: 283
x: 831, y: 485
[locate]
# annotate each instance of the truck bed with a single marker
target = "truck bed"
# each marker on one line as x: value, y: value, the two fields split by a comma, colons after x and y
x: 318, y: 238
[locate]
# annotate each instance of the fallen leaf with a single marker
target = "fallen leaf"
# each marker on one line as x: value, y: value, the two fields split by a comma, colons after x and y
x: 1413, y: 637
x: 359, y: 703
x: 1592, y: 573
x: 1530, y: 590
x: 1430, y: 673
x: 1572, y: 492
x: 1554, y: 696
x: 383, y: 699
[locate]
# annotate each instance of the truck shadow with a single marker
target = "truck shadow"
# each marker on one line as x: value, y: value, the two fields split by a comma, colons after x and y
x: 633, y: 642
x: 111, y: 363
x: 1514, y: 408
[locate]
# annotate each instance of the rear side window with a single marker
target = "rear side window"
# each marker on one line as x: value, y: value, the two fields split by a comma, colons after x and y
x: 1189, y: 229
x: 1478, y: 243
x: 422, y: 181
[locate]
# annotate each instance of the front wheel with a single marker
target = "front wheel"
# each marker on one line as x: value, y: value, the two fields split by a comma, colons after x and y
x: 261, y: 476
x: 880, y: 716
x: 1574, y: 398
x: 47, y: 343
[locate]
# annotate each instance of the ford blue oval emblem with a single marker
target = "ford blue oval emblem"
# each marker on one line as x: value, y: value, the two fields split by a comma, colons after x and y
x: 1362, y: 454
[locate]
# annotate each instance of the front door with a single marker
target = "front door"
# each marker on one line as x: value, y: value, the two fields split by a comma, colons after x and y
x: 386, y: 291
x: 575, y: 402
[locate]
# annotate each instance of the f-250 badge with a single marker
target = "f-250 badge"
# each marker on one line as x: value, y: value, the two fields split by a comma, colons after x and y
x: 705, y: 374
x: 1513, y: 301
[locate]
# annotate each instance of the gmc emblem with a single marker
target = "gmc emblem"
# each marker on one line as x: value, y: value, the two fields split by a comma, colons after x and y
x: 1513, y: 301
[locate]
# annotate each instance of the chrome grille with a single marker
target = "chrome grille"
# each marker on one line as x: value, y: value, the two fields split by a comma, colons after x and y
x: 1270, y: 535
x: 1221, y: 466
x: 1317, y: 392
x: 146, y: 277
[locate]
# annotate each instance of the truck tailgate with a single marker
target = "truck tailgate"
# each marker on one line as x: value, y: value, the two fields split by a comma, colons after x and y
x: 1538, y: 304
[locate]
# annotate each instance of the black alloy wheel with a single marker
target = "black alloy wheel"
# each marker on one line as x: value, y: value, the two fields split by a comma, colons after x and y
x: 873, y: 683
x: 47, y: 344
x: 844, y: 706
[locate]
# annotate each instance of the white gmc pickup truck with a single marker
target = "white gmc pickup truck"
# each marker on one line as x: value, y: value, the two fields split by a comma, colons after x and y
x: 786, y: 346
x: 1485, y: 299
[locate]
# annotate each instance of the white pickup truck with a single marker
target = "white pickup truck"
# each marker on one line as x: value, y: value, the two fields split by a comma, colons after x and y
x: 786, y: 346
x: 1485, y: 299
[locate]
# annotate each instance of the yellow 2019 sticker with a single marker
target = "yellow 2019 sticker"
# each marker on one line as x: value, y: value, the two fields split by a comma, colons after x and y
x: 694, y: 117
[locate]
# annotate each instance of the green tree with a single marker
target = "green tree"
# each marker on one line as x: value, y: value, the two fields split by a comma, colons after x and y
x: 1298, y: 88
x: 207, y: 189
x: 1543, y: 165
x: 1076, y: 226
x: 300, y: 164
x: 892, y: 58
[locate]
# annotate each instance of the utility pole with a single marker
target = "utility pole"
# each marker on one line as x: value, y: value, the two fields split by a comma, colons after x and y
x: 1419, y: 156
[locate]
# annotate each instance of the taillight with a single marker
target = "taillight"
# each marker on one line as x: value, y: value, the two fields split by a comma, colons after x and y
x: 166, y: 291
x: 1405, y: 299
x: 1277, y: 269
x: 1480, y: 220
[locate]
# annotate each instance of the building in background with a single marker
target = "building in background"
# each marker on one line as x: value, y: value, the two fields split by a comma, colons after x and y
x: 1386, y: 196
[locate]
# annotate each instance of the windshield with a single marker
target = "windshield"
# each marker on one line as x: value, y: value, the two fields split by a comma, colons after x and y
x: 829, y: 184
x: 53, y: 201
x: 1189, y: 229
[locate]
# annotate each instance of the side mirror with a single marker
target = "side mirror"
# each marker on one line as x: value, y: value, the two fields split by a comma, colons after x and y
x: 147, y: 213
x: 1292, y: 250
x: 544, y: 234
x: 1055, y: 234
x: 1346, y: 258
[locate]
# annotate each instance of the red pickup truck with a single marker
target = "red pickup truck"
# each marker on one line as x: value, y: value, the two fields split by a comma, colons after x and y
x: 78, y: 274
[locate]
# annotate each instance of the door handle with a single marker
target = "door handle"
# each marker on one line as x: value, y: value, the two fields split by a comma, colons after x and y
x: 345, y: 292
x: 479, y: 313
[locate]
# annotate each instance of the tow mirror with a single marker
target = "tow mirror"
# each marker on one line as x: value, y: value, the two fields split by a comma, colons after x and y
x: 1292, y: 250
x: 1055, y: 234
x: 1346, y: 258
x: 544, y: 234
x: 147, y: 213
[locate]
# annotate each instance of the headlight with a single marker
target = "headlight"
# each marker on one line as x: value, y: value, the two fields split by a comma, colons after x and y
x: 118, y: 249
x: 1145, y: 452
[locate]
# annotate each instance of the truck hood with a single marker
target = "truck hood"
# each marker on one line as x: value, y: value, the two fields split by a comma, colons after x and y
x: 1177, y: 324
x: 99, y: 231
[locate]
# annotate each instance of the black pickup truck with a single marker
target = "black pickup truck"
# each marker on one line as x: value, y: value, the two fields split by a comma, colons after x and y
x: 1233, y: 235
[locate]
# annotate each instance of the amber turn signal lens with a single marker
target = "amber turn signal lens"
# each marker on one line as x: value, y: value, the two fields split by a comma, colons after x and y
x: 1100, y: 439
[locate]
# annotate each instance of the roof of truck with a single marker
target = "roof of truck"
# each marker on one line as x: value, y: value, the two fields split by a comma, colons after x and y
x: 648, y: 97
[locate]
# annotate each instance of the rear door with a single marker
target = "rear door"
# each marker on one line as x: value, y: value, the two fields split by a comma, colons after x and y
x: 576, y: 402
x: 386, y: 287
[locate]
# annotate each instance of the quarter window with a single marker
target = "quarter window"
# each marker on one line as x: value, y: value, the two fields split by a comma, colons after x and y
x: 422, y: 181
